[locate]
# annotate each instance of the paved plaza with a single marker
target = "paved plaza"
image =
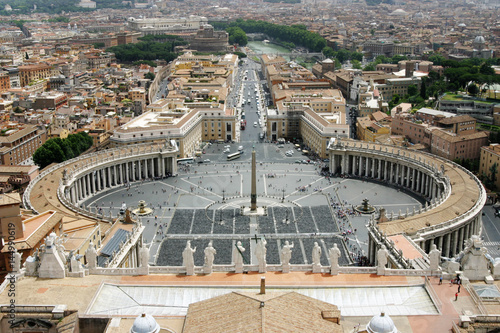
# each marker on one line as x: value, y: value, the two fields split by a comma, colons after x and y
x: 204, y: 203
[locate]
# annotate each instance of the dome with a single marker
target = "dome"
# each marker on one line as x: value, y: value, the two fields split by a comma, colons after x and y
x: 381, y: 324
x: 145, y: 323
x: 462, y: 25
x: 399, y: 12
x: 479, y: 40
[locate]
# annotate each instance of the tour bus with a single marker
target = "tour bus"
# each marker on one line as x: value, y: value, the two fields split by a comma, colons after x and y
x: 187, y: 160
x: 234, y: 156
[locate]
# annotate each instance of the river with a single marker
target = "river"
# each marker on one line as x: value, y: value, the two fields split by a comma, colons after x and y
x: 269, y: 48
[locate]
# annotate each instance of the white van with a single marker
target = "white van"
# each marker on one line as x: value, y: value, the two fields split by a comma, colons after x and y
x: 240, y: 148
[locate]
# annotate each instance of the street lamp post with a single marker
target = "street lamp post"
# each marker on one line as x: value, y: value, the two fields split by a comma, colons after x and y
x: 223, y: 197
x: 283, y: 197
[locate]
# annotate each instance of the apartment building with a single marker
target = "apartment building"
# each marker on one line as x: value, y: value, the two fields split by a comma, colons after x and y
x: 314, y: 116
x: 372, y: 128
x: 30, y: 73
x: 18, y: 143
x: 490, y: 155
x: 50, y: 101
x: 445, y: 135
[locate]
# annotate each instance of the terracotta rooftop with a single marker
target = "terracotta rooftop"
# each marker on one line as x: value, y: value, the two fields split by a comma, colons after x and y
x: 252, y: 312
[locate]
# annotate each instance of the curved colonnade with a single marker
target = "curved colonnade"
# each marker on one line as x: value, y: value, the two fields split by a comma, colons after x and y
x: 454, y: 196
x: 83, y: 177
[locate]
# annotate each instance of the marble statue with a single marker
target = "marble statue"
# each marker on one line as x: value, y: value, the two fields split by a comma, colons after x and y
x: 316, y: 255
x: 144, y: 253
x: 434, y: 257
x: 31, y: 266
x: 91, y: 256
x: 187, y: 258
x: 16, y: 261
x: 74, y: 263
x: 238, y: 257
x: 382, y: 255
x: 474, y: 261
x: 260, y: 254
x: 210, y: 253
x: 286, y: 253
x: 334, y: 254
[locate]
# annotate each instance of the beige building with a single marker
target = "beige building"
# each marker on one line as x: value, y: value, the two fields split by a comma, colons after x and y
x: 445, y: 134
x: 30, y: 73
x: 183, y: 125
x: 368, y: 129
x: 315, y: 116
x: 18, y: 143
x: 490, y: 155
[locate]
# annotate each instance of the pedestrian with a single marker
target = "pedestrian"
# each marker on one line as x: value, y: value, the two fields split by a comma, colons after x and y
x: 456, y: 297
x: 459, y: 287
x: 440, y: 280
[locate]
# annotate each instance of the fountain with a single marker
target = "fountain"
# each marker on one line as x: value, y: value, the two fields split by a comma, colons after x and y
x: 365, y: 207
x: 142, y: 209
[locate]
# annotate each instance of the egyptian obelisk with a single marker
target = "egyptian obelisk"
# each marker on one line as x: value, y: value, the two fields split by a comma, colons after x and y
x: 253, y: 195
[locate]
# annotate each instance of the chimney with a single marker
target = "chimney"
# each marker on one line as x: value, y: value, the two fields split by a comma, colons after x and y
x: 263, y: 285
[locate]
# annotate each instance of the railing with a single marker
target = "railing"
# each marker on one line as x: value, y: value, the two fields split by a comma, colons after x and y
x: 6, y: 282
x: 120, y: 271
x: 476, y: 298
x: 433, y: 295
x: 298, y: 268
x: 455, y: 328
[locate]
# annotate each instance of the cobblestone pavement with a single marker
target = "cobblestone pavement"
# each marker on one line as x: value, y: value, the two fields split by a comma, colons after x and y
x: 203, y: 202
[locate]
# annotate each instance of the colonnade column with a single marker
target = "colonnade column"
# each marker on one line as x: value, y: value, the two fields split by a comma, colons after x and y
x: 391, y: 175
x: 447, y: 245
x: 109, y: 177
x: 87, y: 185
x: 460, y: 239
x: 454, y: 243
x: 419, y: 185
x: 467, y: 231
x: 440, y: 243
x: 379, y: 169
x: 92, y: 182
x: 373, y: 167
x: 78, y: 190
x: 72, y: 193
x: 367, y: 167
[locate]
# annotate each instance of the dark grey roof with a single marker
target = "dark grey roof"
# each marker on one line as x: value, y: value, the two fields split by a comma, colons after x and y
x: 114, y: 243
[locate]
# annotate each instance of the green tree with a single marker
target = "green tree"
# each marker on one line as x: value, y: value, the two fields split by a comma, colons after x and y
x: 42, y: 157
x: 356, y: 64
x: 149, y: 75
x: 237, y: 36
x: 486, y: 69
x: 472, y: 89
x: 369, y: 67
x: 437, y: 59
x: 423, y: 88
x: 412, y: 90
x: 54, y: 145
